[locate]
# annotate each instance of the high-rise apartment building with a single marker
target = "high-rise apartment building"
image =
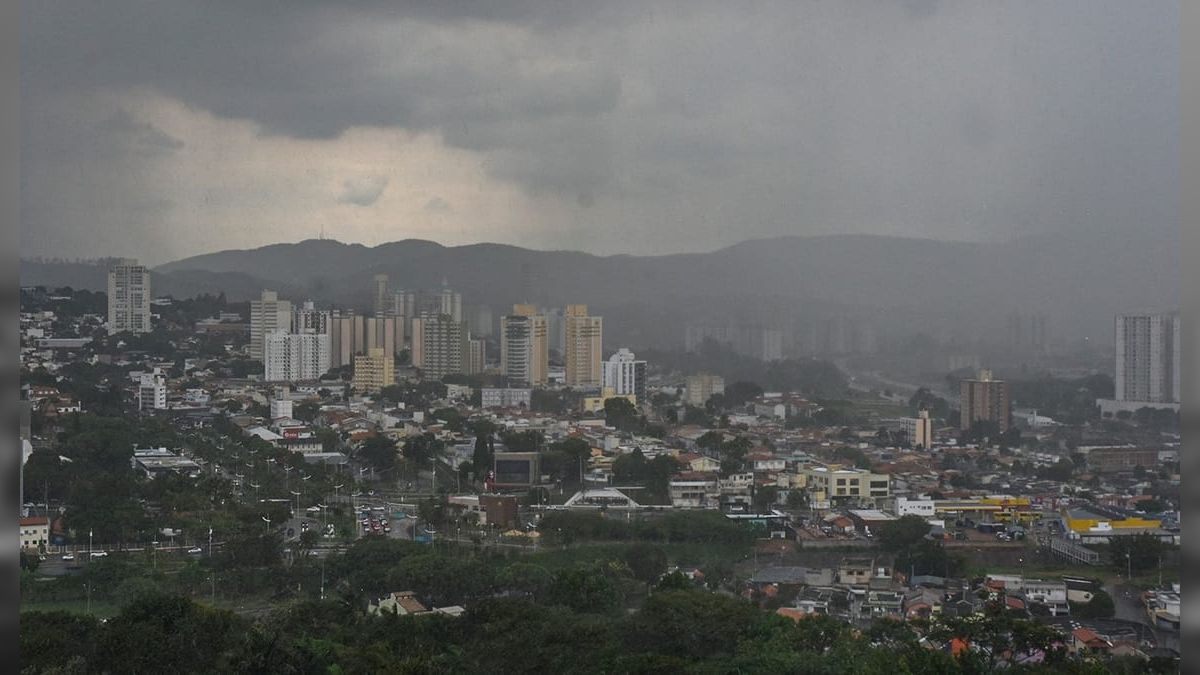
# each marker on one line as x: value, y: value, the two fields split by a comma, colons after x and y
x: 382, y: 298
x: 450, y: 303
x: 1147, y: 368
x: 385, y: 332
x: 918, y: 430
x: 439, y: 345
x: 701, y: 387
x: 624, y: 374
x: 341, y: 339
x: 404, y: 303
x: 374, y: 371
x: 476, y: 356
x: 584, y: 340
x: 480, y: 321
x: 352, y: 334
x: 308, y: 319
x: 267, y: 315
x: 524, y: 348
x: 984, y: 399
x: 129, y: 297
x: 295, y: 357
x: 152, y: 391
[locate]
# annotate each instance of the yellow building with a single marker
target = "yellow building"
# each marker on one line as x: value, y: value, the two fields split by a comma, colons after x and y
x: 1084, y: 521
x: 374, y: 371
x: 595, y: 404
x: 584, y: 338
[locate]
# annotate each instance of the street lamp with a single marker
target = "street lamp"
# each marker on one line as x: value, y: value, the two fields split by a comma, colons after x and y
x: 268, y: 522
x: 297, y: 513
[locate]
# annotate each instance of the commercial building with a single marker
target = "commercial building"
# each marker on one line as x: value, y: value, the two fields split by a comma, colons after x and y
x: 129, y: 297
x: 524, y: 347
x: 701, y: 387
x: 439, y: 345
x: 584, y: 341
x: 517, y: 469
x: 374, y: 371
x: 595, y: 404
x: 293, y: 357
x: 492, y: 397
x: 624, y: 374
x: 267, y: 315
x: 838, y: 486
x: 984, y: 399
x: 1116, y: 460
x: 918, y: 430
x: 1147, y: 366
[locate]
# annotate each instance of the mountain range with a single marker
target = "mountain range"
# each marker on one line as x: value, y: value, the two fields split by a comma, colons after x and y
x: 899, y: 285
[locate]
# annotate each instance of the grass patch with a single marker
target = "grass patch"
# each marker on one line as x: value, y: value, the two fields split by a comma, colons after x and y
x: 683, y: 554
x: 102, y: 610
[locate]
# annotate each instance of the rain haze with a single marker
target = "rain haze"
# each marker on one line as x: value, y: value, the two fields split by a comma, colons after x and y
x: 169, y: 129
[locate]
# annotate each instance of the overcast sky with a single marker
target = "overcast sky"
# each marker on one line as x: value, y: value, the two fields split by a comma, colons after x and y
x: 168, y: 128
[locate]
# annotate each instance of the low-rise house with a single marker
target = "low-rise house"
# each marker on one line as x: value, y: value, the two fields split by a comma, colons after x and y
x: 878, y: 604
x: 34, y: 532
x: 1085, y: 642
x: 855, y: 571
x: 399, y: 602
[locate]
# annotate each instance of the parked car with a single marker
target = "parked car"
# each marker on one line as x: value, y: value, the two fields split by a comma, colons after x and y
x: 99, y: 554
x: 68, y: 557
x: 195, y: 550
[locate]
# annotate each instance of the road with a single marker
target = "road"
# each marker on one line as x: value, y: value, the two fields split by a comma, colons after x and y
x: 1129, y: 607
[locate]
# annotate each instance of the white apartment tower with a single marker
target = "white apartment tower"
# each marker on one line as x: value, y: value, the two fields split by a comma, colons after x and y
x: 152, y: 391
x: 128, y: 297
x: 625, y: 375
x: 1148, y: 357
x: 294, y: 357
x: 267, y: 315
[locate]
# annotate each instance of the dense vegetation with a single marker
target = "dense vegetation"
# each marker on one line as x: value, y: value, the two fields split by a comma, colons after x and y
x: 674, y: 631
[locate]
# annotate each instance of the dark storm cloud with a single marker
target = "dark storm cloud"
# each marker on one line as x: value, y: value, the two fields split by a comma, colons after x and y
x: 718, y: 120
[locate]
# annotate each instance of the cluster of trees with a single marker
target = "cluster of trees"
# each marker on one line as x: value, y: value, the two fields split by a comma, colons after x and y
x: 622, y: 415
x: 1070, y: 401
x: 702, y: 527
x: 567, y: 624
x: 812, y: 377
x: 731, y: 450
x: 907, y: 538
x: 655, y: 474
